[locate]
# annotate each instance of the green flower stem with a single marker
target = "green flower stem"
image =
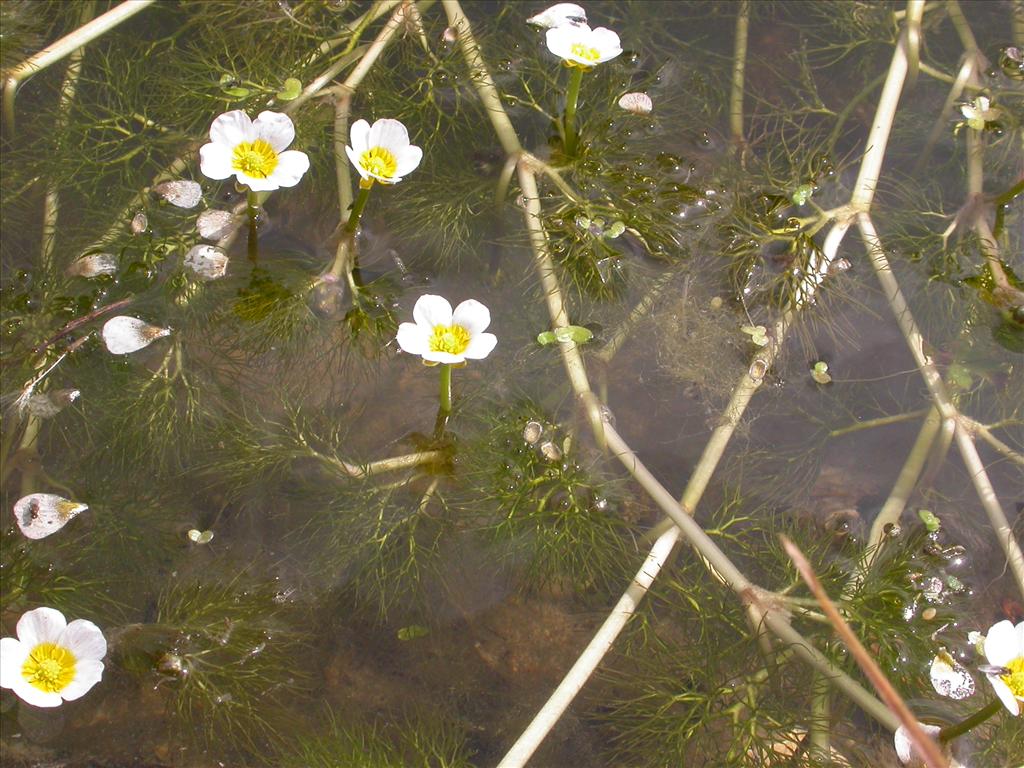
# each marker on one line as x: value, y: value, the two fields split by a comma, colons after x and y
x: 572, y: 96
x: 950, y: 732
x: 357, y: 207
x: 253, y: 207
x: 446, y: 388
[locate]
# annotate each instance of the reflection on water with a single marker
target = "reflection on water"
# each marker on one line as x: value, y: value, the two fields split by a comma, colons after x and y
x: 215, y: 450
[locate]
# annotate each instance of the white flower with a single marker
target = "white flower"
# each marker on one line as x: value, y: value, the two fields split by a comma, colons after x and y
x: 558, y: 15
x: 637, y: 103
x: 382, y: 152
x: 979, y: 112
x: 442, y: 336
x: 253, y: 151
x: 124, y: 335
x: 582, y: 46
x: 1004, y: 647
x: 905, y: 749
x: 40, y: 514
x: 52, y: 661
x: 208, y: 262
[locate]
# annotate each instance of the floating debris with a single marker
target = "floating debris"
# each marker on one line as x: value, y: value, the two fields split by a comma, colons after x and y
x: 207, y: 261
x: 124, y: 335
x: 200, y: 537
x: 46, y: 405
x: 950, y: 678
x: 93, y: 265
x: 40, y: 514
x: 637, y: 103
x: 532, y: 432
x: 181, y: 193
x: 550, y: 451
x: 213, y: 225
x: 905, y: 749
x: 820, y: 373
x: 140, y: 223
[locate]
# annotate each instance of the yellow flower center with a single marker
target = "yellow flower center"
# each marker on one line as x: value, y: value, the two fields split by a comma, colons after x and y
x: 379, y: 162
x: 256, y: 159
x: 49, y: 667
x: 1015, y: 680
x: 452, y: 339
x: 587, y: 53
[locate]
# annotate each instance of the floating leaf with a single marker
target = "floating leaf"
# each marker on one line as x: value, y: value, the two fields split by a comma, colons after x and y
x: 292, y: 89
x: 40, y: 514
x: 931, y: 522
x: 200, y: 537
x: 616, y: 229
x: 412, y: 632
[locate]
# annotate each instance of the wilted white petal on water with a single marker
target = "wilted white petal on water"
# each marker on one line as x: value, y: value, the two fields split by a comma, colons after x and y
x: 182, y: 193
x: 140, y: 223
x: 45, y: 405
x: 40, y: 514
x: 124, y: 335
x: 637, y: 103
x: 213, y: 225
x: 905, y: 749
x: 950, y: 678
x: 559, y: 14
x: 207, y: 261
x: 93, y: 265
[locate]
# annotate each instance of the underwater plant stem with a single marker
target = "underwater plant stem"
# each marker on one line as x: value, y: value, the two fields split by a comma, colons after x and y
x: 520, y: 752
x: 446, y: 388
x: 940, y: 396
x: 482, y: 80
x: 571, y: 356
x: 354, y: 31
x: 357, y: 207
x: 951, y: 732
x: 651, y: 295
x: 63, y: 47
x: 342, y: 172
x: 985, y: 433
x: 904, y: 486
x: 963, y: 76
x: 380, y: 466
x: 572, y: 97
x: 739, y: 63
x: 820, y: 724
x: 881, y: 421
x: 927, y: 747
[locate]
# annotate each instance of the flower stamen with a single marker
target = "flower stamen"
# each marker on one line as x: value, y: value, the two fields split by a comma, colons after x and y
x: 379, y: 162
x: 585, y: 52
x: 256, y: 159
x: 1015, y: 678
x: 49, y: 667
x: 452, y: 339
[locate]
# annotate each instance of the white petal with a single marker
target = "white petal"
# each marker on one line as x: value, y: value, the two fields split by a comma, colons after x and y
x: 40, y: 625
x: 473, y: 316
x: 443, y: 357
x: 1005, y: 695
x: 637, y: 103
x: 40, y: 514
x: 85, y: 640
x: 390, y: 134
x: 257, y: 184
x: 354, y: 157
x: 480, y: 346
x: 412, y: 338
x: 275, y: 128
x: 32, y: 695
x: 431, y: 311
x: 607, y: 42
x: 93, y: 264
x: 1001, y: 644
x: 904, y: 747
x: 560, y: 40
x: 215, y: 161
x: 291, y: 166
x: 359, y: 137
x: 232, y: 128
x: 408, y: 160
x: 124, y: 335
x: 213, y: 225
x: 951, y: 680
x: 207, y: 261
x: 87, y: 674
x: 182, y: 193
x: 559, y: 14
x: 12, y: 657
